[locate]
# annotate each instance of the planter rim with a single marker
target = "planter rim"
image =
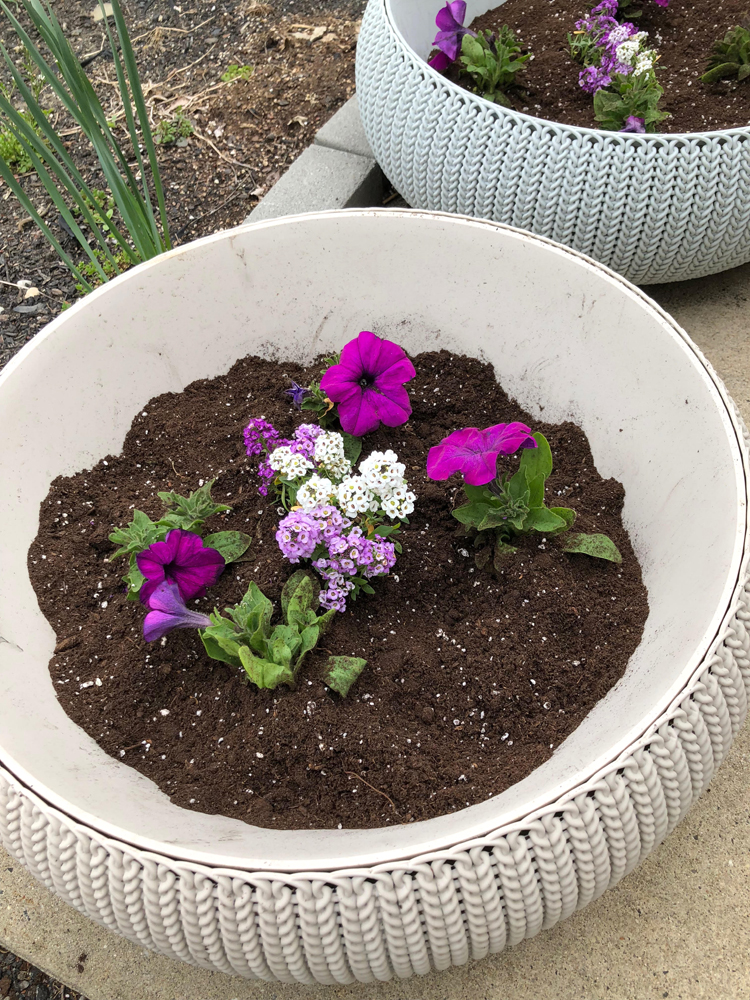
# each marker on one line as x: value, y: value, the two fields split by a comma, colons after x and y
x: 624, y: 138
x: 424, y: 846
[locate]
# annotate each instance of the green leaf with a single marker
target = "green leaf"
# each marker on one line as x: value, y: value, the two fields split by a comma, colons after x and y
x: 264, y: 673
x: 230, y: 544
x: 598, y: 546
x: 309, y: 640
x: 566, y: 514
x: 497, y: 517
x: 220, y: 645
x: 190, y: 512
x: 537, y: 461
x: 136, y: 536
x: 477, y: 494
x: 352, y: 447
x: 324, y: 621
x: 297, y: 595
x: 253, y: 614
x: 543, y: 520
x: 134, y: 580
x: 342, y: 672
x: 472, y: 513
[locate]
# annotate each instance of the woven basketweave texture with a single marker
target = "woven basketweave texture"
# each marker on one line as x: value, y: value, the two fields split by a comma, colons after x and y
x: 404, y: 918
x: 654, y: 208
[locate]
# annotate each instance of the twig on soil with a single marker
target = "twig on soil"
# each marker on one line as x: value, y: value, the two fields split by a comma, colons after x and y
x: 354, y: 774
x: 163, y: 27
x: 182, y: 69
x: 238, y: 190
x: 227, y: 159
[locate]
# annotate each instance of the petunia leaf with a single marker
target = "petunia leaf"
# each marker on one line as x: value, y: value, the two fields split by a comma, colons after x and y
x: 537, y: 461
x: 230, y: 544
x: 134, y: 580
x: 136, y: 536
x: 298, y: 593
x: 253, y: 612
x: 567, y: 515
x: 190, y: 512
x: 264, y: 673
x: 220, y: 641
x: 597, y: 545
x: 543, y: 520
x: 342, y: 672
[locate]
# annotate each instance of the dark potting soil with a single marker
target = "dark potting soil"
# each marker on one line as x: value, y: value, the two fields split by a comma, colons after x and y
x: 472, y: 679
x: 682, y: 34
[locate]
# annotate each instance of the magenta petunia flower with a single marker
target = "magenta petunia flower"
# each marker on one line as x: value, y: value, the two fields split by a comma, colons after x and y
x: 368, y: 384
x: 450, y: 21
x: 181, y: 558
x: 474, y: 453
x: 167, y: 611
x: 633, y: 124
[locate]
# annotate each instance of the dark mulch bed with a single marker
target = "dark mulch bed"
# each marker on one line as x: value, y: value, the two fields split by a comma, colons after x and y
x: 247, y: 132
x: 20, y: 979
x: 471, y: 682
x: 682, y: 34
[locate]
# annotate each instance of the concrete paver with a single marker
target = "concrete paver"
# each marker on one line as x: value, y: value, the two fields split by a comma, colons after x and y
x: 322, y: 178
x: 677, y: 927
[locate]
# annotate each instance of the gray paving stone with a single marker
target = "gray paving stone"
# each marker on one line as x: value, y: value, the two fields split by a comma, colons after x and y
x: 319, y: 179
x: 345, y: 132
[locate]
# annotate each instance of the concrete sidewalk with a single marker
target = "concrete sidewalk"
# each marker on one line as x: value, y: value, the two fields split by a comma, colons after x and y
x: 678, y: 926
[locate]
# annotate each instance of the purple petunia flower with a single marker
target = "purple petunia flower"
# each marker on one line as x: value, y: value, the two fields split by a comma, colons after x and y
x: 368, y: 384
x: 474, y: 453
x: 450, y: 21
x: 183, y: 559
x: 298, y: 393
x: 167, y: 611
x: 633, y: 124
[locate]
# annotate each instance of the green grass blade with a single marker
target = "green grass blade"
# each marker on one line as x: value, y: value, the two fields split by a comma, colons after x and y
x: 67, y: 173
x: 138, y: 99
x: 130, y: 120
x: 89, y: 102
x: 84, y: 106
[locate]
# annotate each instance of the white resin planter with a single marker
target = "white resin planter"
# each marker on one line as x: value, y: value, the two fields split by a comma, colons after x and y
x: 564, y: 334
x: 652, y: 207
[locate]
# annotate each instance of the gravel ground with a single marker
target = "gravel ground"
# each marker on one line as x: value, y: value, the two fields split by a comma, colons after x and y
x: 21, y: 979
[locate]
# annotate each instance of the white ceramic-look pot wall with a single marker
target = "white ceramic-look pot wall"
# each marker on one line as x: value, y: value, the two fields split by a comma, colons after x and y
x: 652, y: 207
x: 564, y: 334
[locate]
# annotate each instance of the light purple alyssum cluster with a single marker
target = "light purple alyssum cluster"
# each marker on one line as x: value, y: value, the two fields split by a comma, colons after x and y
x: 621, y: 47
x: 337, y: 517
x: 346, y: 551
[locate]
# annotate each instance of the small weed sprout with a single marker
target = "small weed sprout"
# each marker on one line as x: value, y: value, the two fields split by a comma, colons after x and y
x: 174, y: 129
x: 234, y: 72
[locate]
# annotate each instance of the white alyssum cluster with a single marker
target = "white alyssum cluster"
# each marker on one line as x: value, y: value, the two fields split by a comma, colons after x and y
x: 315, y: 492
x: 329, y: 452
x: 287, y: 463
x: 633, y: 53
x: 400, y: 501
x: 382, y: 471
x: 355, y: 497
